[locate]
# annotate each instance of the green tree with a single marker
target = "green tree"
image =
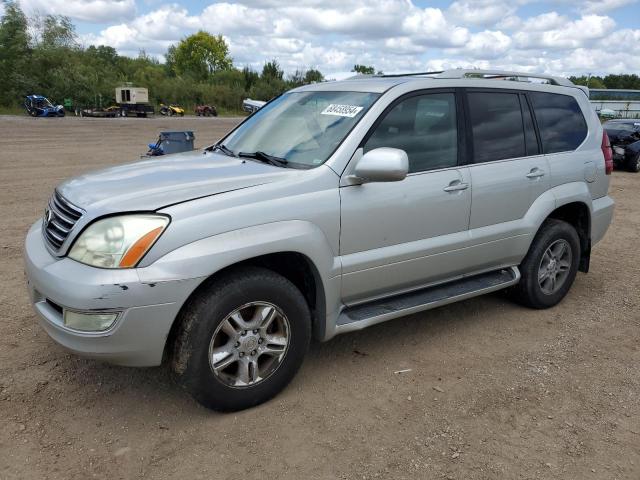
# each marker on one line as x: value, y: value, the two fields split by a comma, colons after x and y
x: 14, y: 52
x: 622, y: 81
x: 363, y: 69
x: 588, y: 81
x: 199, y: 55
x: 250, y: 76
x: 272, y: 70
x: 313, y: 76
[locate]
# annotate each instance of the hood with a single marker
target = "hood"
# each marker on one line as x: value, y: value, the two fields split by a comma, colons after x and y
x: 161, y: 181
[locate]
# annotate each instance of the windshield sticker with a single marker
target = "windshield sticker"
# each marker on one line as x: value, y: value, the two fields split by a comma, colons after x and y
x: 342, y: 110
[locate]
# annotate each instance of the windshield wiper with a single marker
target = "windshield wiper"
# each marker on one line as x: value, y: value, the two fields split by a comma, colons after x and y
x: 224, y: 149
x: 265, y: 157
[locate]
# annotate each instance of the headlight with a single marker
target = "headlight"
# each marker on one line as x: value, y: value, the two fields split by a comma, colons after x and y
x: 118, y: 242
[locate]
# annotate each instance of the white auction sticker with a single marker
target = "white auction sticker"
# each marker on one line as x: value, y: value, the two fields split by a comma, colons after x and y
x: 342, y: 110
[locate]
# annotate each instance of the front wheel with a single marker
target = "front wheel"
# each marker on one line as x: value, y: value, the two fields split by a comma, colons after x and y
x: 550, y: 267
x: 242, y: 339
x: 634, y: 163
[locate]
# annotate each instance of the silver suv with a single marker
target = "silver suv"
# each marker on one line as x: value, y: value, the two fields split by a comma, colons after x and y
x: 334, y: 207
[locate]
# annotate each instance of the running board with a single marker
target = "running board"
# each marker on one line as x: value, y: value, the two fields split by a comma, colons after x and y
x: 376, y: 311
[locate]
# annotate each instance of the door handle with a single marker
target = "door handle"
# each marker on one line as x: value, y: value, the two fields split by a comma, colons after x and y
x: 535, y: 173
x: 456, y: 186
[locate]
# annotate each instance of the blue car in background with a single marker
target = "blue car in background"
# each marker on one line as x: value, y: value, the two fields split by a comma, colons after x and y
x: 39, y: 106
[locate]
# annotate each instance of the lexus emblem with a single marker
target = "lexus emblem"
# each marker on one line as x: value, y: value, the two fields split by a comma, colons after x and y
x: 48, y: 216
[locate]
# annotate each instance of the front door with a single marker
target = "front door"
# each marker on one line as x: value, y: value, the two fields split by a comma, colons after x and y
x: 400, y: 235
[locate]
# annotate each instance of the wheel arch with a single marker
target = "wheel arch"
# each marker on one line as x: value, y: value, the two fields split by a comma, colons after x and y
x: 578, y: 215
x: 296, y: 267
x: 297, y: 250
x: 571, y: 203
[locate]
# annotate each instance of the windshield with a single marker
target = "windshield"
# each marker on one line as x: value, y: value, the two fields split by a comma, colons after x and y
x: 41, y: 103
x: 303, y: 128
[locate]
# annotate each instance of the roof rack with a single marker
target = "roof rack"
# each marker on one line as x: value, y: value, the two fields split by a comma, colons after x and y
x: 501, y: 75
x: 411, y: 74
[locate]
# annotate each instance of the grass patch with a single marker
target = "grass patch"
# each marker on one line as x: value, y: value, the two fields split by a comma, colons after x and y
x: 12, y: 111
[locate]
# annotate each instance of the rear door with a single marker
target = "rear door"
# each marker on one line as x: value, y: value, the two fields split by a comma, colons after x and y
x: 508, y: 173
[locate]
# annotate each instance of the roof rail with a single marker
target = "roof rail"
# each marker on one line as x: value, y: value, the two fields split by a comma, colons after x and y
x: 410, y: 74
x: 501, y: 74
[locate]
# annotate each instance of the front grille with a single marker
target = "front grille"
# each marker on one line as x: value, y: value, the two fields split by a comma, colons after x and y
x: 59, y: 220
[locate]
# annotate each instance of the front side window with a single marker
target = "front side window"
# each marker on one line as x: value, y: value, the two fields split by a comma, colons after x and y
x: 496, y: 123
x: 303, y: 128
x: 560, y: 121
x: 425, y: 127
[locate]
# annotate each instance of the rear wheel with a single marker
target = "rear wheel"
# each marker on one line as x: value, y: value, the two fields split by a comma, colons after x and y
x: 242, y: 339
x: 634, y: 163
x: 550, y: 267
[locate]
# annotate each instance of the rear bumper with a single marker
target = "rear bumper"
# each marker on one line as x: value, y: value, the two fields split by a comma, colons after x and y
x: 601, y: 217
x: 146, y: 309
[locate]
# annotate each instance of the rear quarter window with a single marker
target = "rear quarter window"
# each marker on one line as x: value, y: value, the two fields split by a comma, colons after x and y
x: 560, y: 121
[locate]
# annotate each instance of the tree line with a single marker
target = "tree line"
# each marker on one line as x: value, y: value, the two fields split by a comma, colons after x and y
x: 42, y: 55
x: 624, y: 81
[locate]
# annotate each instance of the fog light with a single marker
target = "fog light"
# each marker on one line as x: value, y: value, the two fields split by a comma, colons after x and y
x: 89, y: 322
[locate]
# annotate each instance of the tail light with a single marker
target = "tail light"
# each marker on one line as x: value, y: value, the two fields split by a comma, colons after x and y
x: 608, y: 154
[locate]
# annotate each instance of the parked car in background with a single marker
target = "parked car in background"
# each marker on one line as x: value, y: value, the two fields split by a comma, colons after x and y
x: 607, y: 113
x: 206, y: 111
x: 250, y: 106
x: 335, y: 207
x: 39, y: 106
x: 624, y: 135
x: 171, y: 110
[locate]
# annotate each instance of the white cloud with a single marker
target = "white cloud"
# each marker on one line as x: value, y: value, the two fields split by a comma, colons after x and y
x: 565, y: 35
x: 481, y: 12
x: 605, y: 6
x: 98, y: 11
x: 392, y: 35
x: 487, y: 45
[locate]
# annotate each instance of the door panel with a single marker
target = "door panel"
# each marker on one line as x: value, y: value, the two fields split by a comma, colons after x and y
x: 504, y: 191
x: 397, y: 235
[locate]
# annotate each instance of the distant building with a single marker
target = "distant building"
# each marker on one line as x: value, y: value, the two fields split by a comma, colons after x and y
x: 625, y: 103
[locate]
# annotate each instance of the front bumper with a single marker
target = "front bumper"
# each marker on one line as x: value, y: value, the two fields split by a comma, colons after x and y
x: 146, y: 309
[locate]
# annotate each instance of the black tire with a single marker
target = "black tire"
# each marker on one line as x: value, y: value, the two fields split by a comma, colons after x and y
x: 528, y: 291
x: 634, y: 163
x: 210, y: 306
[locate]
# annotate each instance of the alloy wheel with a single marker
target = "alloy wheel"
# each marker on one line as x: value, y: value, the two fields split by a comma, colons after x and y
x: 249, y: 344
x: 555, y: 266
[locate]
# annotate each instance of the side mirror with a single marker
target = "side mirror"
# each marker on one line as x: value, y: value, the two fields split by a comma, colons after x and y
x: 382, y: 165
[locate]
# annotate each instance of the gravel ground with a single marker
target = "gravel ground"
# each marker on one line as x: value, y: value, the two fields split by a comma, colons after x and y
x: 492, y: 390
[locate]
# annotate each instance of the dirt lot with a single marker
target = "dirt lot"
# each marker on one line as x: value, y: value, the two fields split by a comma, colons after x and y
x: 494, y: 391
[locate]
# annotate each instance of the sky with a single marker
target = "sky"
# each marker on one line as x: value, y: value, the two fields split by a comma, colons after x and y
x: 563, y: 37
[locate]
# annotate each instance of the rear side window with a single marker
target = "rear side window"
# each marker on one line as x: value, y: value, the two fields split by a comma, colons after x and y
x: 560, y: 121
x: 497, y: 126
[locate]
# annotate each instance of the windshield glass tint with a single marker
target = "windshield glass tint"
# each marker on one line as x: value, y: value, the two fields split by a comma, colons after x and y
x: 302, y: 127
